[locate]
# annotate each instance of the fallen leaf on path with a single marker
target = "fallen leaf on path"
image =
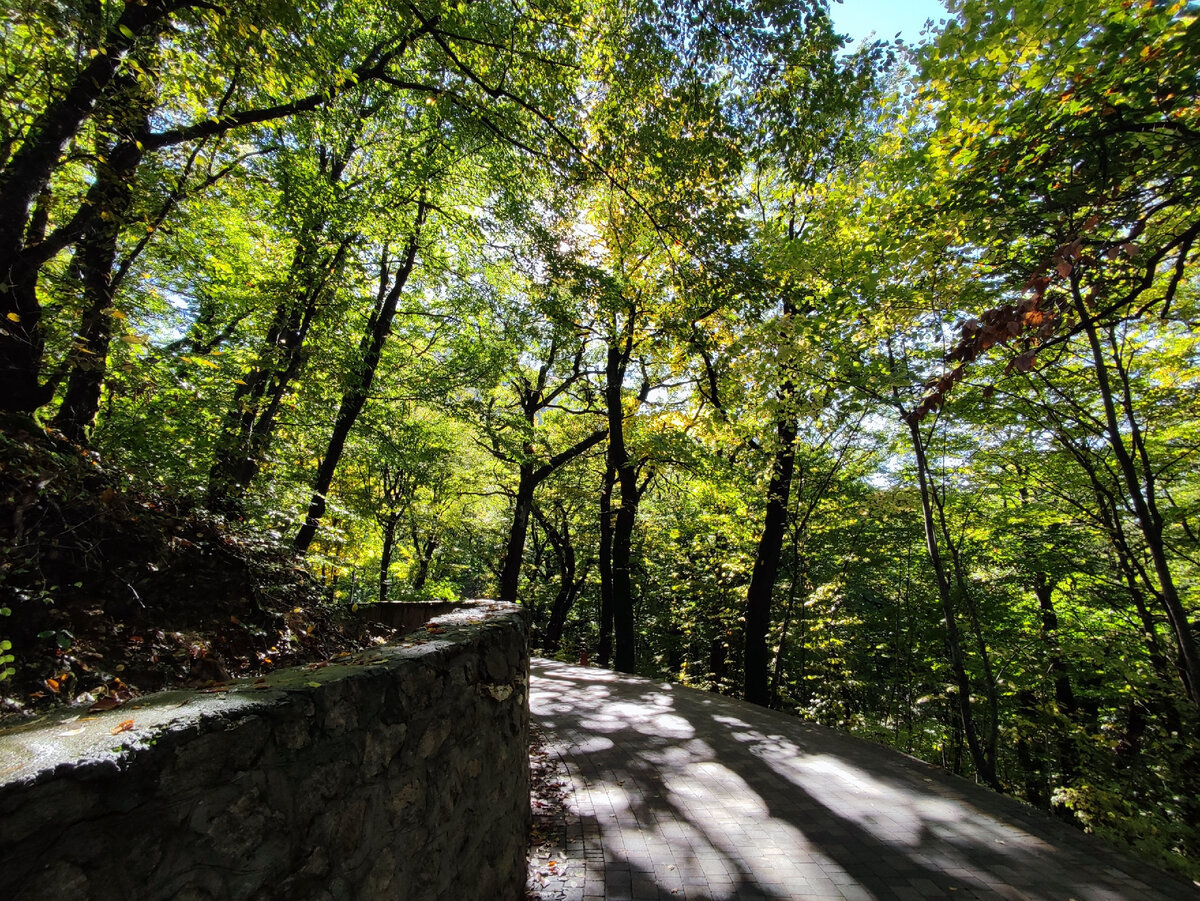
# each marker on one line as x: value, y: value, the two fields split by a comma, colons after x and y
x: 121, y: 727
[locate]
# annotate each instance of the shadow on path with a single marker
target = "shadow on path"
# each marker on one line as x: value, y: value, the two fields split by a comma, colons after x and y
x: 683, y: 794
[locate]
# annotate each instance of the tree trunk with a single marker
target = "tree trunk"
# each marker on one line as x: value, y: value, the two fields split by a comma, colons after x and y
x: 390, y: 523
x: 358, y: 387
x: 1141, y: 490
x: 985, y: 765
x: 766, y: 561
x: 625, y: 515
x: 514, y: 551
x: 799, y: 579
x: 1029, y: 755
x: 622, y: 554
x: 25, y: 176
x: 249, y: 423
x: 990, y: 736
x: 424, y: 560
x: 568, y: 593
x: 1132, y: 571
x: 568, y: 587
x: 528, y: 480
x: 30, y: 168
x: 96, y: 253
x: 604, y: 647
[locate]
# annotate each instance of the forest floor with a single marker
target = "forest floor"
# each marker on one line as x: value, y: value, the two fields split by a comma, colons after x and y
x: 109, y: 590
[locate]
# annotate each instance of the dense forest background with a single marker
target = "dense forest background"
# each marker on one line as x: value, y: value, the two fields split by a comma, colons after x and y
x: 861, y: 382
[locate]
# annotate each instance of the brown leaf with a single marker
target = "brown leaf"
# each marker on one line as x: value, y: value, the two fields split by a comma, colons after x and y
x: 1024, y: 362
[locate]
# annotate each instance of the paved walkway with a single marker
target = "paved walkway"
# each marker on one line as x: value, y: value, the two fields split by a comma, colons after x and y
x: 675, y: 793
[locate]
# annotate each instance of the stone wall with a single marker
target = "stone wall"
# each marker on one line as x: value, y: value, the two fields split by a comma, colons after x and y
x: 400, y: 773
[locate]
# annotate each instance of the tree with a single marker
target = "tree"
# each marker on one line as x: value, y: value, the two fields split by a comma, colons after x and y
x: 358, y: 386
x: 517, y: 435
x: 1088, y: 203
x: 46, y: 204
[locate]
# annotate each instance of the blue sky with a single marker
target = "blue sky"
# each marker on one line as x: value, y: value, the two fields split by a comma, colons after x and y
x: 858, y: 18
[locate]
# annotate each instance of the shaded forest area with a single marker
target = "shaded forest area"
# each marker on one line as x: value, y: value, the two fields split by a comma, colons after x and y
x: 857, y: 381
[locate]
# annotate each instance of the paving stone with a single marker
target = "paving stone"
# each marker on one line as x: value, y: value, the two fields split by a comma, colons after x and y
x: 683, y: 794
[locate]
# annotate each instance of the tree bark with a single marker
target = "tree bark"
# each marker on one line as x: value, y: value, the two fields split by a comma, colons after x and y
x: 604, y: 647
x: 96, y: 253
x: 766, y: 561
x: 528, y: 479
x: 624, y: 517
x: 24, y: 247
x: 28, y: 173
x: 424, y: 559
x: 390, y: 524
x: 568, y: 587
x: 624, y: 634
x: 355, y: 394
x: 1141, y: 490
x: 250, y: 421
x: 985, y: 765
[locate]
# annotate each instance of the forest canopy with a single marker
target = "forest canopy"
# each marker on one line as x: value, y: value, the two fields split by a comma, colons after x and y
x: 859, y: 381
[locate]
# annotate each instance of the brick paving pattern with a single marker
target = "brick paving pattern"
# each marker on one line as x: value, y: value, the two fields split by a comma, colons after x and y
x: 675, y: 793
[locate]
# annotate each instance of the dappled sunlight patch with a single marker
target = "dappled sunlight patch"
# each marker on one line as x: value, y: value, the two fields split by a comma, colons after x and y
x: 593, y: 745
x: 913, y: 816
x: 679, y: 755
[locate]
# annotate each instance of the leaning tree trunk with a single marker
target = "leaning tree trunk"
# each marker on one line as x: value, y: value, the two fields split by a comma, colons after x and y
x: 1141, y: 490
x: 96, y: 254
x: 249, y: 424
x: 510, y: 573
x: 990, y: 735
x: 985, y: 765
x: 354, y: 398
x: 26, y: 176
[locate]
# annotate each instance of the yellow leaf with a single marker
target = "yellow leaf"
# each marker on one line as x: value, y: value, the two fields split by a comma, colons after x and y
x: 13, y: 317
